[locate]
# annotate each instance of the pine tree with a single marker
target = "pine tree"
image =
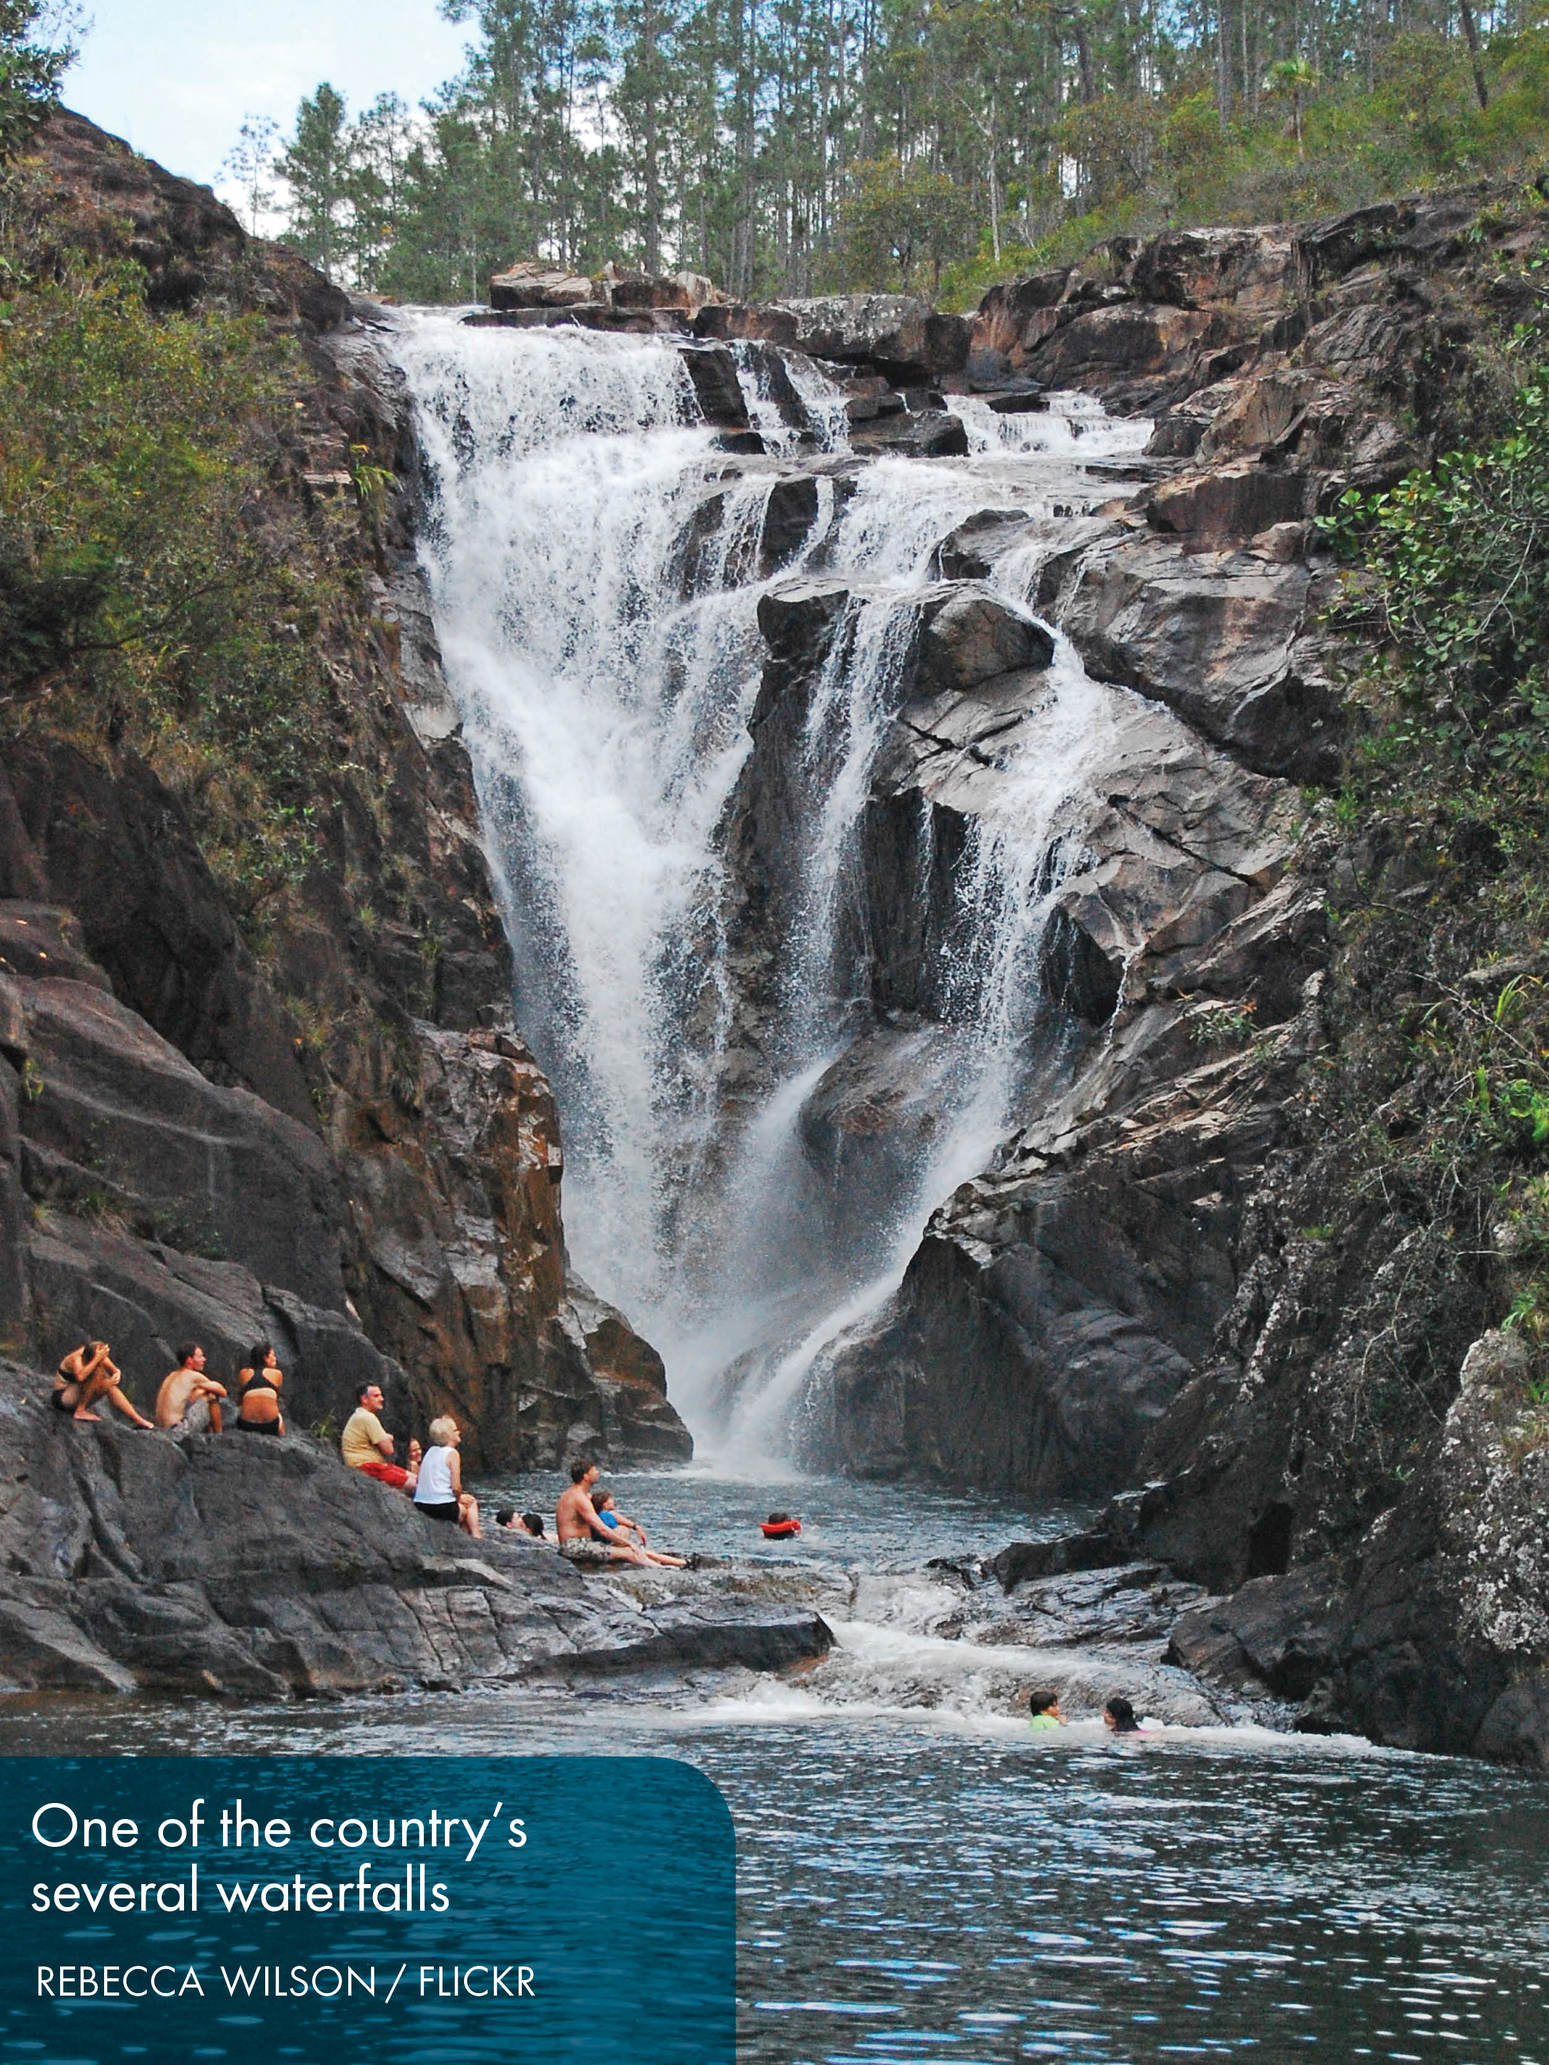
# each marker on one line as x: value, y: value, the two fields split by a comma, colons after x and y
x: 249, y: 164
x: 315, y: 165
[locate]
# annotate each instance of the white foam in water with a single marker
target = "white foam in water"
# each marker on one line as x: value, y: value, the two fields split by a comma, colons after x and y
x: 606, y: 685
x: 1069, y: 424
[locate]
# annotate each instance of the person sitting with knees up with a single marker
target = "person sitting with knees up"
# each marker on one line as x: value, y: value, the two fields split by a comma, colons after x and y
x: 258, y: 1393
x: 367, y: 1446
x: 1045, y: 1708
x: 88, y: 1374
x: 439, y: 1494
x: 189, y: 1398
x: 619, y: 1527
x: 582, y: 1537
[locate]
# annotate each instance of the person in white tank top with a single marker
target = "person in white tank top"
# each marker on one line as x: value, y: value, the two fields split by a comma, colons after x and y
x: 439, y: 1494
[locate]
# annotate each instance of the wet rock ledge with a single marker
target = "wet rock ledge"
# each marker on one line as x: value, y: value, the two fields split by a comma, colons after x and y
x: 218, y: 1565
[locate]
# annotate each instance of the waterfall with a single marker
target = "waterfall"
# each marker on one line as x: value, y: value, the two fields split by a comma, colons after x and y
x: 596, y: 563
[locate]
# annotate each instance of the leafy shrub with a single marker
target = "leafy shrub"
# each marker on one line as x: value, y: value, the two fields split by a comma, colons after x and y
x: 1459, y: 592
x: 153, y: 586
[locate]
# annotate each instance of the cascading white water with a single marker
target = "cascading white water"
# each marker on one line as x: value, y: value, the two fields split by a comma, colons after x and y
x: 594, y: 564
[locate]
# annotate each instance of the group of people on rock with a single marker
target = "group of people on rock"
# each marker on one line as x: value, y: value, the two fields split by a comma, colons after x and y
x: 590, y: 1527
x: 187, y: 1396
x: 587, y: 1521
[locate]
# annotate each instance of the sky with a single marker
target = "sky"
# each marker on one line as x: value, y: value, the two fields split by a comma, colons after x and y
x: 176, y: 77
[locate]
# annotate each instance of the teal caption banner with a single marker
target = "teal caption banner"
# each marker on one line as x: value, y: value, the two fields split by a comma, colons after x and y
x: 322, y: 1910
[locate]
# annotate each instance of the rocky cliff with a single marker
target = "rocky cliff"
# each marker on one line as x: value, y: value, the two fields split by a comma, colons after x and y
x: 1186, y: 1271
x: 316, y: 1123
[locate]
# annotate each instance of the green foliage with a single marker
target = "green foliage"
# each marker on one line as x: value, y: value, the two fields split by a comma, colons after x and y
x: 900, y: 222
x: 1448, y: 978
x: 250, y: 163
x: 1515, y: 1111
x: 151, y: 589
x: 1222, y: 1025
x: 1458, y: 589
x: 316, y: 167
x: 31, y: 68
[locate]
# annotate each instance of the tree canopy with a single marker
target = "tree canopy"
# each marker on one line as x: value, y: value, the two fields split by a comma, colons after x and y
x: 796, y: 146
x: 31, y: 65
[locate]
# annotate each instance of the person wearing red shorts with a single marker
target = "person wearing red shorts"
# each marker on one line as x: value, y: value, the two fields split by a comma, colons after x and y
x: 367, y: 1446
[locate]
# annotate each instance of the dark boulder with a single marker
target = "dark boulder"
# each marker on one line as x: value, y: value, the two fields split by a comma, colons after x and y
x: 899, y: 336
x: 122, y: 1117
x: 969, y: 553
x: 1232, y: 501
x: 1185, y: 268
x: 116, y: 848
x: 789, y: 514
x: 1216, y: 636
x: 716, y: 387
x: 1023, y: 1562
x: 1137, y: 356
x: 915, y: 435
x: 970, y: 635
x: 798, y: 620
x: 1277, y: 1632
x: 1016, y: 316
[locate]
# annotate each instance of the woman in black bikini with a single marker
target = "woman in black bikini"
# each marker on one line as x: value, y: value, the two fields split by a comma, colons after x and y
x: 258, y: 1387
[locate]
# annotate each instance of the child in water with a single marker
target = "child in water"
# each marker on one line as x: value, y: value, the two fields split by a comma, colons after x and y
x: 1045, y: 1706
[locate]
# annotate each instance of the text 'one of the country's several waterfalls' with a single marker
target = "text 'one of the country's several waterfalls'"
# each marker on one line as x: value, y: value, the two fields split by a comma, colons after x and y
x: 598, y: 563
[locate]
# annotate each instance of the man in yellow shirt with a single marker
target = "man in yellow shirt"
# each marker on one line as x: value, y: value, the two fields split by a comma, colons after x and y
x: 366, y: 1444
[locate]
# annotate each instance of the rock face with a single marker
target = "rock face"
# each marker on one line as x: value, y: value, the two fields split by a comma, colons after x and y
x: 340, y: 1144
x: 1159, y: 1222
x: 1219, y: 636
x: 896, y: 335
x: 1138, y: 1289
x: 1057, y: 1305
x: 532, y: 285
x: 214, y: 1565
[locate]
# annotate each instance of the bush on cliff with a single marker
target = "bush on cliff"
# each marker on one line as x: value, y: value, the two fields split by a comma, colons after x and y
x: 155, y: 593
x: 1438, y: 1097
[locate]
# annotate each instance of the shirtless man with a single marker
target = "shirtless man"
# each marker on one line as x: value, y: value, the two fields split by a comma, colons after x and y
x: 575, y: 1522
x: 89, y: 1373
x: 185, y: 1387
